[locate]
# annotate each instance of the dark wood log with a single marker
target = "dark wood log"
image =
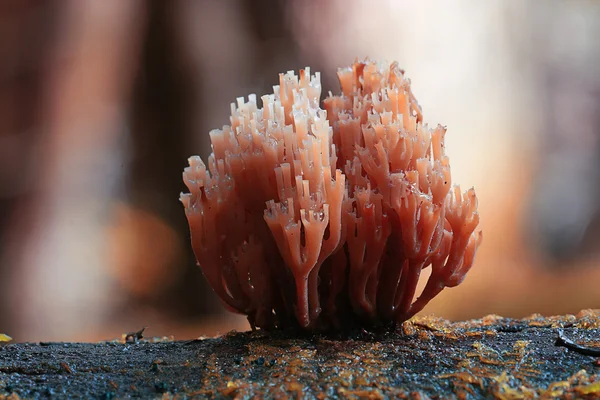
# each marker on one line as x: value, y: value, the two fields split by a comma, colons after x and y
x: 424, y: 358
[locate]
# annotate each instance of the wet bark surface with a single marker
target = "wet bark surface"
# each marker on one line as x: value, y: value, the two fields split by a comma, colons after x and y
x: 426, y: 357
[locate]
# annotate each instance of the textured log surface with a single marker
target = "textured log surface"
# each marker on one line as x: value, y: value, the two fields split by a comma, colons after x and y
x: 426, y: 358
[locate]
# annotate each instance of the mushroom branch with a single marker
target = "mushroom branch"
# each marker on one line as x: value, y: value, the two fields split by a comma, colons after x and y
x: 324, y: 218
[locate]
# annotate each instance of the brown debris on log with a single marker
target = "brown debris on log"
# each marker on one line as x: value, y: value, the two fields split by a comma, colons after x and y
x: 426, y: 357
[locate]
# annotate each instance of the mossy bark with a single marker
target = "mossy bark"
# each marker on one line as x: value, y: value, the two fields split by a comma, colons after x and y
x: 424, y: 358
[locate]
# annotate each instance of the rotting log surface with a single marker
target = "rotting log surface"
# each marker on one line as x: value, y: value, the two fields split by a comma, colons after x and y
x: 426, y: 358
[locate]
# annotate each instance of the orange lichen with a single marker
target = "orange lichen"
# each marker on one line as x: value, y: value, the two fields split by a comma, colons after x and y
x: 323, y: 217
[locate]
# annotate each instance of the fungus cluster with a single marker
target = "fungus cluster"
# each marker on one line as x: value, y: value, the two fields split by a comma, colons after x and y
x: 324, y: 217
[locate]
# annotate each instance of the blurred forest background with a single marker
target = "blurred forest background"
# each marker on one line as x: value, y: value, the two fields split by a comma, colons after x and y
x: 101, y: 103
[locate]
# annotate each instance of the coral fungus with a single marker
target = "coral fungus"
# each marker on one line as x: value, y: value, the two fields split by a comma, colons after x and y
x: 325, y: 217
